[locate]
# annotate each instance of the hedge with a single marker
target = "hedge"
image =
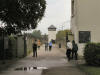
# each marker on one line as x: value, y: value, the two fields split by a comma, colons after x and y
x: 92, y: 54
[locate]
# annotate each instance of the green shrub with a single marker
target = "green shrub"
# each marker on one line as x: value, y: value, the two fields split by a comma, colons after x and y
x: 92, y: 54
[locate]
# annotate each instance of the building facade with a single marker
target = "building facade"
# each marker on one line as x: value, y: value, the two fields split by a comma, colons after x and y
x: 85, y: 24
x: 52, y: 33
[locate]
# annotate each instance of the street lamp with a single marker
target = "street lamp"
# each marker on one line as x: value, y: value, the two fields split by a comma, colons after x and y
x: 66, y: 37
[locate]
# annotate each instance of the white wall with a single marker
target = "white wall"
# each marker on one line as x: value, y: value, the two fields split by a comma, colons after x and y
x: 87, y: 18
x: 51, y: 35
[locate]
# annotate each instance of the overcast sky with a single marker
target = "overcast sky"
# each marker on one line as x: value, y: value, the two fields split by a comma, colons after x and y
x: 57, y: 14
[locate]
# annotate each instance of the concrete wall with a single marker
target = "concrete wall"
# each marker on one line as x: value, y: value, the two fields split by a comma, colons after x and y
x: 20, y: 46
x: 86, y: 18
x: 29, y: 43
x: 15, y: 46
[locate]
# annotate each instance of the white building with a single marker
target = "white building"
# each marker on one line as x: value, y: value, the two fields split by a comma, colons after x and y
x: 51, y: 33
x: 85, y: 22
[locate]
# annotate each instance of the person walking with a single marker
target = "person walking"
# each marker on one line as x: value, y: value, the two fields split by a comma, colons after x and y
x: 69, y: 49
x: 50, y: 46
x: 38, y: 44
x: 59, y: 45
x: 35, y: 49
x: 46, y: 46
x: 74, y: 50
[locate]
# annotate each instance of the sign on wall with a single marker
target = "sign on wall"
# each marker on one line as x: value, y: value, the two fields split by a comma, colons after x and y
x: 84, y: 36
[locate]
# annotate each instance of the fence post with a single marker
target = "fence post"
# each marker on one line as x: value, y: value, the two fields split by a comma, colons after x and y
x: 25, y: 46
x: 3, y: 62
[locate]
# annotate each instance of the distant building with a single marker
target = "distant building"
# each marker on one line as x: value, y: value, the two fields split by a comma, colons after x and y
x: 52, y: 33
x: 85, y: 22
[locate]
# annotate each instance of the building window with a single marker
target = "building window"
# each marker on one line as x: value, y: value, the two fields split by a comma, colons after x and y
x: 84, y: 36
x: 73, y: 4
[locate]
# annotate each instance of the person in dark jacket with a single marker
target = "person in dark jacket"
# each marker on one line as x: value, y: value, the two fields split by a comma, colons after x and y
x: 35, y: 49
x: 50, y: 46
x: 74, y: 50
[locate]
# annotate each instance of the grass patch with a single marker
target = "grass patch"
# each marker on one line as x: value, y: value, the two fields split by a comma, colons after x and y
x: 90, y: 70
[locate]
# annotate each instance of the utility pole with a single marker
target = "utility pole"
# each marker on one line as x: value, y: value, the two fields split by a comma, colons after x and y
x: 66, y: 37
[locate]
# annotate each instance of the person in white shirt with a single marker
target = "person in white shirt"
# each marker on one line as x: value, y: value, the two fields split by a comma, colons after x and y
x: 69, y: 50
x: 69, y: 45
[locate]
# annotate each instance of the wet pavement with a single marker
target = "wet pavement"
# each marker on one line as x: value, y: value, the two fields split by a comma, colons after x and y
x: 52, y: 62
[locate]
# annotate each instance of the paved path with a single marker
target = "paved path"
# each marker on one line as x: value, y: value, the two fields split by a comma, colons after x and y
x: 49, y: 63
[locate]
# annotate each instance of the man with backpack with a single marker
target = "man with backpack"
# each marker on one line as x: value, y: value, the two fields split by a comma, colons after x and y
x: 74, y: 50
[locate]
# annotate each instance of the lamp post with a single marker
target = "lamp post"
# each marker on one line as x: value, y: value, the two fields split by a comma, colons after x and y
x: 66, y: 37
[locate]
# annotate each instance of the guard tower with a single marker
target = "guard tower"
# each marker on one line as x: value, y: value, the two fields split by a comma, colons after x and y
x: 52, y: 34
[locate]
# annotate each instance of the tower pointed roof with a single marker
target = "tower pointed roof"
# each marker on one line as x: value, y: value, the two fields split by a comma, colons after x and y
x: 52, y: 27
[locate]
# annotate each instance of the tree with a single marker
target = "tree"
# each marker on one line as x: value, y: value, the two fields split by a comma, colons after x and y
x: 61, y: 34
x: 61, y: 37
x: 20, y: 15
x: 37, y: 34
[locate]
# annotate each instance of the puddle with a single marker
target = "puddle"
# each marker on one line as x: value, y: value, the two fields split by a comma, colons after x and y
x: 29, y: 68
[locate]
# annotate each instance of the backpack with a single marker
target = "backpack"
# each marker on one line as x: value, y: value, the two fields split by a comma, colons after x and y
x: 75, y: 47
